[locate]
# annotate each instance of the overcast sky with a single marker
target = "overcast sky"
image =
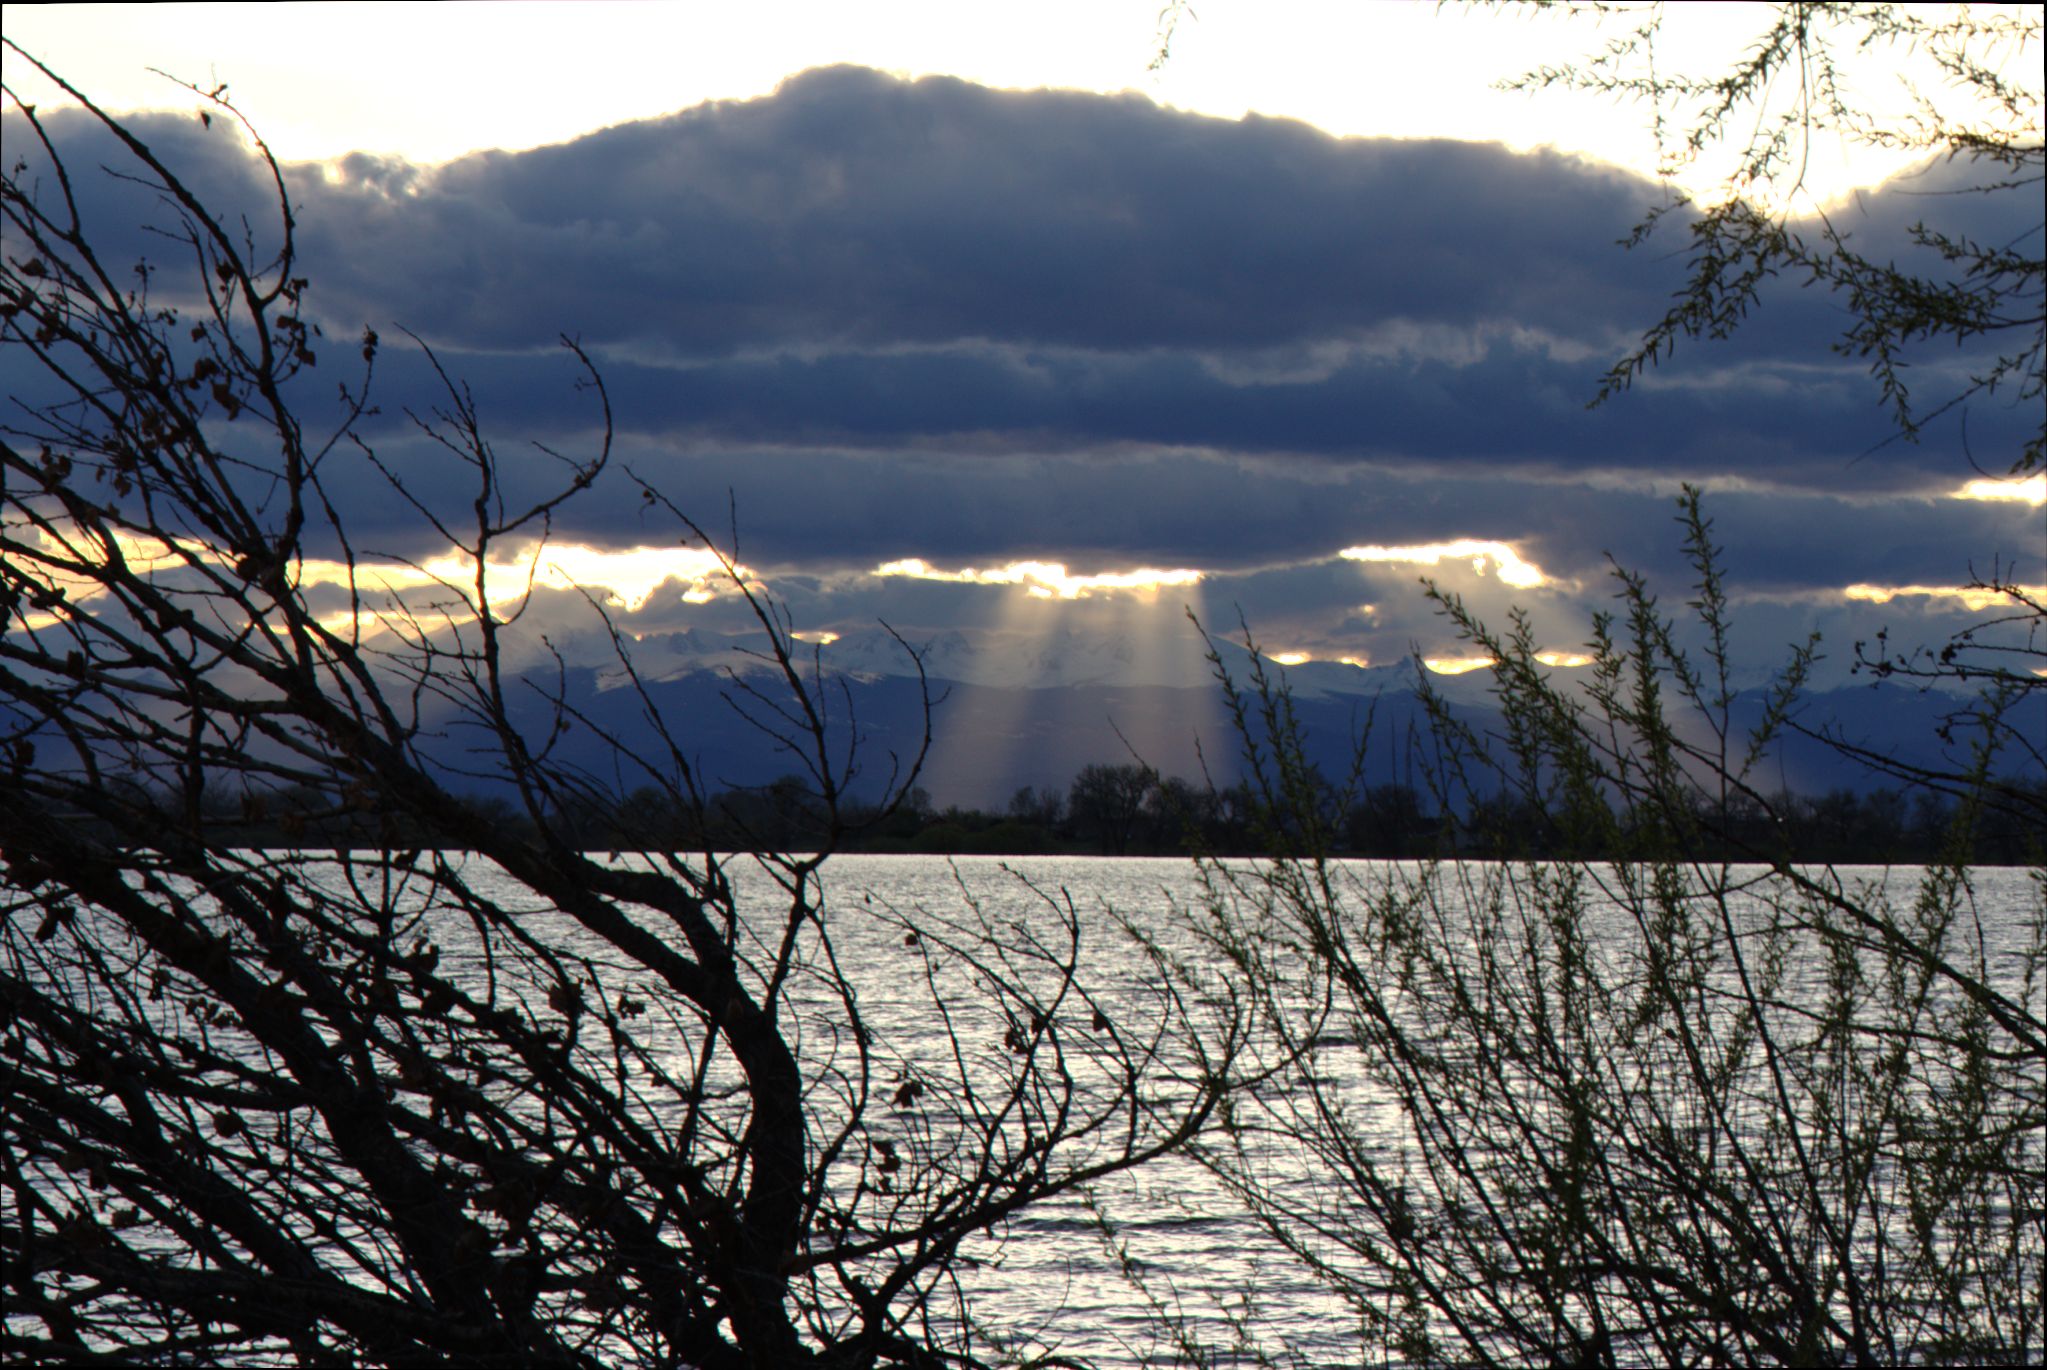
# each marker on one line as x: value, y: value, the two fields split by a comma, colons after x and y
x: 961, y: 306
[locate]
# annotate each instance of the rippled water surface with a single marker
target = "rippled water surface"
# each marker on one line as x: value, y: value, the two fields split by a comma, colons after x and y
x: 1050, y: 1276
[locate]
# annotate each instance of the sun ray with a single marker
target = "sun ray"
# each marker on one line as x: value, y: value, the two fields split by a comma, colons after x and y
x: 1003, y: 732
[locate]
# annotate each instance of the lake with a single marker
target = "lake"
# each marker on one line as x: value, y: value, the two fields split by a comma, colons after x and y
x: 933, y: 950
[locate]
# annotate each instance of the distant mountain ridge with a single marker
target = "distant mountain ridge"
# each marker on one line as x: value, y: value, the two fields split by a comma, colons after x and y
x: 1013, y: 711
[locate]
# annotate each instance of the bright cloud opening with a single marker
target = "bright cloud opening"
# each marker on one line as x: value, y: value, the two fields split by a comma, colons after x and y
x: 631, y: 575
x: 1045, y: 579
x: 628, y: 578
x: 2032, y: 490
x: 1459, y: 665
x: 71, y: 544
x: 1496, y: 558
x: 1974, y: 598
x: 145, y: 554
x: 1290, y: 658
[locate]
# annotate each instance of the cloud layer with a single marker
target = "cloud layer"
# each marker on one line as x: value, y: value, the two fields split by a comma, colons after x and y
x: 929, y: 320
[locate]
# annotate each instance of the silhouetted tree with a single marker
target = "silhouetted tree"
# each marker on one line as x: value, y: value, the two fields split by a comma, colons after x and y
x: 457, y: 1091
x: 1041, y: 806
x: 1182, y: 816
x: 1105, y: 805
x: 1803, y: 77
x: 1641, y: 1105
x: 1390, y: 821
x: 1806, y: 76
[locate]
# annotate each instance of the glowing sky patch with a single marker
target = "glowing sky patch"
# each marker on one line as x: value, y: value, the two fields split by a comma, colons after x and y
x: 353, y: 624
x: 151, y: 556
x: 1376, y: 70
x: 1047, y: 579
x: 630, y: 575
x: 145, y: 554
x: 1496, y: 558
x: 1460, y: 665
x: 2032, y: 490
x: 626, y: 579
x: 1290, y: 658
x: 1974, y: 598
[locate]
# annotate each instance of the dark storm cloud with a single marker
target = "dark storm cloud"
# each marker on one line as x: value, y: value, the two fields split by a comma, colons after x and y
x: 861, y: 260
x: 1515, y: 406
x: 852, y: 208
x: 1512, y: 405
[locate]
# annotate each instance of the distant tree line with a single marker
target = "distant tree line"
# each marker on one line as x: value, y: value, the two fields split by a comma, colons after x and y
x: 1129, y: 809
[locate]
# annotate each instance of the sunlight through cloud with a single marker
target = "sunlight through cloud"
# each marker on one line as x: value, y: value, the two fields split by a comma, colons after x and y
x: 1459, y: 665
x: 1974, y: 598
x: 623, y: 579
x: 1046, y: 579
x: 2031, y: 490
x: 65, y: 545
x: 631, y: 575
x: 1495, y: 557
x: 628, y: 577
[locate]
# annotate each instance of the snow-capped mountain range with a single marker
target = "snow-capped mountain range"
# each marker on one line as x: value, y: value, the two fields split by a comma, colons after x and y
x: 1018, y: 661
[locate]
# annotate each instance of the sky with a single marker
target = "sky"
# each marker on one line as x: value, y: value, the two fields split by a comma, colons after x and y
x: 969, y: 320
